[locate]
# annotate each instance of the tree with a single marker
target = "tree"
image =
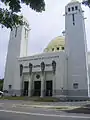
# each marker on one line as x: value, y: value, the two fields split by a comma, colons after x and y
x: 86, y: 2
x: 9, y: 16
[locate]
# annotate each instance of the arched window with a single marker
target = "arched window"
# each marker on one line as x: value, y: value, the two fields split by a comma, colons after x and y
x: 68, y: 9
x: 21, y: 69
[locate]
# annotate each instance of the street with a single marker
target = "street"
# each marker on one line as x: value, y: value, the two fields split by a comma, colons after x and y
x: 16, y: 115
x: 8, y: 111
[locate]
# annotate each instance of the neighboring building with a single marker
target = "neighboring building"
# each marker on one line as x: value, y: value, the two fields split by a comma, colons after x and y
x: 60, y: 71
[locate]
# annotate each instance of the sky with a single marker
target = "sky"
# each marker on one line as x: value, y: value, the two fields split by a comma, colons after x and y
x: 44, y: 27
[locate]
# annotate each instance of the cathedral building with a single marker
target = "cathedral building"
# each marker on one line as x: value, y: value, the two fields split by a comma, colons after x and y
x: 61, y: 71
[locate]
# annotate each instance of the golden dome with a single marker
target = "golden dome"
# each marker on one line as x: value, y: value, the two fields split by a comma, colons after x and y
x: 74, y: 1
x: 57, y: 44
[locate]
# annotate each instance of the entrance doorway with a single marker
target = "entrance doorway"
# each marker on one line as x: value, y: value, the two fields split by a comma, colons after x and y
x: 37, y: 88
x: 49, y: 88
x: 25, y: 92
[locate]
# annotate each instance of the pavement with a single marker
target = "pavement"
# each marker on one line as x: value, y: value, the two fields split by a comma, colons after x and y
x: 11, y: 110
x: 81, y: 103
x: 48, y: 105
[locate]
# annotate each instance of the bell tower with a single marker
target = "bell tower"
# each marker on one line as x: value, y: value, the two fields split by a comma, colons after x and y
x: 76, y: 50
x: 24, y: 39
x: 17, y: 47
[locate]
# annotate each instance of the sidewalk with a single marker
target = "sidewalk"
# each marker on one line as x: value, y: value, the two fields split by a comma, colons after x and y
x: 74, y: 104
x: 69, y: 109
x: 77, y: 107
x: 46, y: 106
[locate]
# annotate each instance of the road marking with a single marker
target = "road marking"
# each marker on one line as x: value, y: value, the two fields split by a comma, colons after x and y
x: 1, y: 104
x: 13, y: 105
x: 46, y: 115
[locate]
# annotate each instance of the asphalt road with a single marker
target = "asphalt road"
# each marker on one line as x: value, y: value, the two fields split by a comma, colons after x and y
x: 17, y: 115
x: 9, y: 112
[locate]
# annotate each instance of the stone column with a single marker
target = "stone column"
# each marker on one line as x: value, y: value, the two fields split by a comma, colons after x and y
x: 21, y: 79
x: 54, y: 77
x: 54, y: 85
x: 22, y: 83
x: 42, y: 86
x: 30, y: 86
x: 42, y: 79
x: 30, y: 80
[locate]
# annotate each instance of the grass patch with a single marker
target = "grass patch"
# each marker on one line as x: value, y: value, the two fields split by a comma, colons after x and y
x: 61, y: 108
x: 36, y: 99
x: 12, y: 98
x: 47, y: 99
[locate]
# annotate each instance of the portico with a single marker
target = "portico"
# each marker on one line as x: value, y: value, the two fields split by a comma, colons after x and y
x: 39, y: 87
x: 40, y: 79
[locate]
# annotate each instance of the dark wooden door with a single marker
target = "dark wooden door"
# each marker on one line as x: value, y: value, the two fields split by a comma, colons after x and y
x: 37, y: 88
x: 49, y: 88
x: 25, y: 92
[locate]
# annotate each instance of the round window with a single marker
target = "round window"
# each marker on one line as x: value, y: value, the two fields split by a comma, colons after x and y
x: 37, y: 76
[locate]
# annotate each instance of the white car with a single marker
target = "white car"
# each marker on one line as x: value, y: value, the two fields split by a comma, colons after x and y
x: 1, y: 93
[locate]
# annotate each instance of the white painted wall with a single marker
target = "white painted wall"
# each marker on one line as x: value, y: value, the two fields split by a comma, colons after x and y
x: 89, y: 70
x: 47, y: 58
x: 75, y: 43
x: 11, y: 70
x: 24, y: 41
x: 17, y: 47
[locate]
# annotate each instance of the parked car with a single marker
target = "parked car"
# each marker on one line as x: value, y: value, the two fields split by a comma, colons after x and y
x: 1, y: 93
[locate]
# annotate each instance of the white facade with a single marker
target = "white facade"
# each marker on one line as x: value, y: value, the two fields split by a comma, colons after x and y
x: 76, y: 49
x: 17, y: 48
x: 62, y: 74
x: 60, y: 81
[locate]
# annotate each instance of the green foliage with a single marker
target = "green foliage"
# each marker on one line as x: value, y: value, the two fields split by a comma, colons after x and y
x: 38, y: 5
x: 86, y: 2
x: 35, y: 99
x: 12, y: 98
x: 44, y: 99
x: 89, y: 1
x: 9, y: 17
